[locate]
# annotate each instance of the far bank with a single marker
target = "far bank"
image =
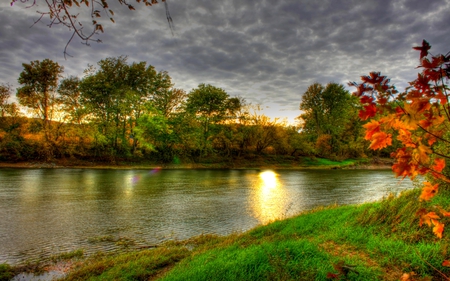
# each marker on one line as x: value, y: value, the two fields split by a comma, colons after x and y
x: 256, y: 162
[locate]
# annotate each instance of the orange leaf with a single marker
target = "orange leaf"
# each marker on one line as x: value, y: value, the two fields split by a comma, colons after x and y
x: 380, y: 140
x: 391, y: 121
x: 428, y: 191
x: 444, y: 212
x: 371, y: 128
x: 411, y: 118
x: 446, y: 263
x: 439, y: 165
x: 438, y: 228
x: 421, y: 153
x: 405, y: 137
x: 427, y: 218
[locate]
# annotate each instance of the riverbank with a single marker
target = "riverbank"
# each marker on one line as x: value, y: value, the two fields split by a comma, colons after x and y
x: 253, y: 163
x: 372, y: 241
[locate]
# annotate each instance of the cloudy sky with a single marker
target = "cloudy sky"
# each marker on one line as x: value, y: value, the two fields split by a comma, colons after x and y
x: 267, y: 52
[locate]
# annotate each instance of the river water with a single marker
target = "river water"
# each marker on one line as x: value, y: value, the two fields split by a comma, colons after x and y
x: 49, y: 211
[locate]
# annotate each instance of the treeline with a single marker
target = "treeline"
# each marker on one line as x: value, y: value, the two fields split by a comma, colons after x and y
x: 119, y: 110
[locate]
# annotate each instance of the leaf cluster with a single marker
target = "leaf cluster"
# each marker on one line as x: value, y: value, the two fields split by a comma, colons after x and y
x: 418, y: 118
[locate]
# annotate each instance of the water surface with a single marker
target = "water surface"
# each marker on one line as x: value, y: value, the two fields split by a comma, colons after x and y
x: 49, y: 211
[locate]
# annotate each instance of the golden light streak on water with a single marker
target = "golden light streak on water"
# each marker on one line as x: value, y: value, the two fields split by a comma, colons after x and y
x: 268, y: 197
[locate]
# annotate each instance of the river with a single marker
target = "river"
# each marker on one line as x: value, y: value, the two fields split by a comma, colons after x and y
x: 49, y: 211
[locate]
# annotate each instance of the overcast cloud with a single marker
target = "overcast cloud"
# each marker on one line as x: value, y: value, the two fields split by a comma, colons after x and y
x: 267, y: 52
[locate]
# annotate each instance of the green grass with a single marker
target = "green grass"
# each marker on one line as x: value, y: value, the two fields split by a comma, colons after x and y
x: 317, y: 162
x: 376, y: 241
x: 6, y: 272
x: 68, y: 255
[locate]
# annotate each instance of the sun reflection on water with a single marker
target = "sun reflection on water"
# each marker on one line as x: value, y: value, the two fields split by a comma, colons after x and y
x: 269, y: 198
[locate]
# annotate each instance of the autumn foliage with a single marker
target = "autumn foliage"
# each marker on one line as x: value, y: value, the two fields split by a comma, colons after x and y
x: 418, y: 119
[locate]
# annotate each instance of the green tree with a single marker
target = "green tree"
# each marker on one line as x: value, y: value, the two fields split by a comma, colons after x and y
x: 211, y: 105
x: 71, y: 100
x: 169, y: 100
x: 39, y: 81
x: 327, y: 112
x: 117, y: 95
x: 5, y: 93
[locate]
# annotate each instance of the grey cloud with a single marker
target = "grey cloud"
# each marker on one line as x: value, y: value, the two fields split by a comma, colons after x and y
x: 265, y: 51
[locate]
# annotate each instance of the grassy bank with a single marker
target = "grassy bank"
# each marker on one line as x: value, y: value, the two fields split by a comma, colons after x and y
x: 255, y: 162
x: 375, y: 241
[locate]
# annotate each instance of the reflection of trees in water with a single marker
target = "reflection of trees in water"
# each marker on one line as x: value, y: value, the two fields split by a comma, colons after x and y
x: 46, y: 207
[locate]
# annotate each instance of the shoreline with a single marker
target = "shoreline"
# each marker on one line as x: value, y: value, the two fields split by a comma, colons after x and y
x: 192, y: 166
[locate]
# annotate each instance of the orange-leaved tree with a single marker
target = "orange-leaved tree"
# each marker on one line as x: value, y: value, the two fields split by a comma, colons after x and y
x: 419, y: 118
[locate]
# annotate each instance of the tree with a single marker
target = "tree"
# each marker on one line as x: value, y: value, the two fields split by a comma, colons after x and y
x: 419, y: 121
x: 117, y: 94
x: 39, y: 81
x: 67, y: 13
x: 327, y: 112
x: 71, y: 99
x: 5, y: 93
x: 169, y: 100
x: 211, y: 105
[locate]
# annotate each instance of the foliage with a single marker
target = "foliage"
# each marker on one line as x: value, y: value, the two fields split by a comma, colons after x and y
x: 329, y: 120
x: 5, y: 93
x: 129, y: 111
x: 211, y: 105
x: 419, y: 121
x: 6, y: 272
x: 117, y: 94
x: 39, y: 82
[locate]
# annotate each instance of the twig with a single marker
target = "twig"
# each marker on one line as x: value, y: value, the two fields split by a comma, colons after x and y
x: 440, y: 272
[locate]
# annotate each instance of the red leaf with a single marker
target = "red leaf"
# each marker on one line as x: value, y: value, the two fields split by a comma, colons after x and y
x: 374, y: 78
x: 369, y: 111
x: 423, y: 49
x: 360, y: 88
x: 332, y: 275
x: 446, y: 263
x: 435, y: 63
x: 366, y: 99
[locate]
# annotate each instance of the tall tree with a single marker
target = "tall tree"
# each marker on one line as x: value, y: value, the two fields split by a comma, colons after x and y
x: 5, y: 93
x: 117, y: 94
x: 326, y: 113
x: 211, y: 105
x: 39, y: 81
x: 71, y: 99
x: 169, y: 100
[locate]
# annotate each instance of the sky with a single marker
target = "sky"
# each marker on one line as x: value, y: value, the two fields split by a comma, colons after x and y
x: 267, y: 52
